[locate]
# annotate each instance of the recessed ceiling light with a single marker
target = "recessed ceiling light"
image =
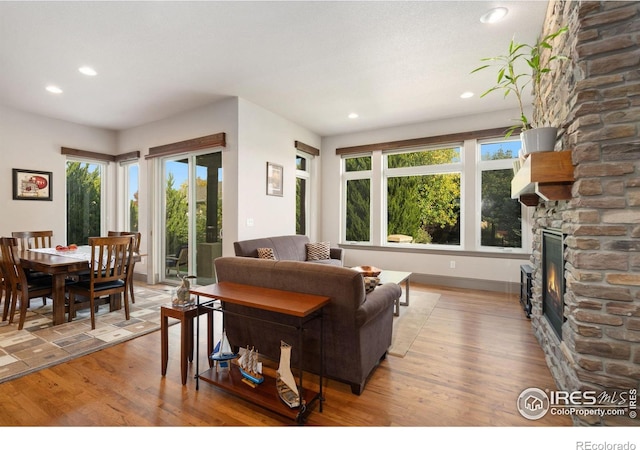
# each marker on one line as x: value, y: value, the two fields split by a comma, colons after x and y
x: 54, y: 89
x: 89, y: 71
x: 466, y: 95
x: 353, y: 116
x: 494, y: 15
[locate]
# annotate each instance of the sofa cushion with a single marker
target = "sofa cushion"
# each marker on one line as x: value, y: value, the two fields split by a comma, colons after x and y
x: 266, y: 253
x: 370, y: 283
x: 285, y: 248
x: 317, y: 251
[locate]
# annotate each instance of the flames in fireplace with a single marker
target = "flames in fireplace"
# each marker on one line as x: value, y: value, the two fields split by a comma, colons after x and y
x: 553, y: 279
x: 553, y: 285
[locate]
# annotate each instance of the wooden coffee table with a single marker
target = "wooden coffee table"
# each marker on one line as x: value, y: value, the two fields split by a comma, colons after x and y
x: 397, y: 277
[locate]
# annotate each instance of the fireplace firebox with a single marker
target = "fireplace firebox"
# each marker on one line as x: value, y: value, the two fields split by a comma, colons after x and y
x: 553, y: 278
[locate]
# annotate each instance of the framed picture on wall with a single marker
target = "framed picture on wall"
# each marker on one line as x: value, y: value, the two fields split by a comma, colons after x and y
x: 274, y: 179
x: 32, y: 185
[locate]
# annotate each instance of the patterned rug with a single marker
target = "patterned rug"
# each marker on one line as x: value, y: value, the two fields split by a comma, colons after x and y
x: 412, y: 318
x: 40, y: 344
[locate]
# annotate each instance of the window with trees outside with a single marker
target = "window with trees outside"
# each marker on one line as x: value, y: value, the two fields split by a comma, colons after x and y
x: 357, y: 182
x: 423, y: 196
x: 132, y: 182
x: 85, y: 182
x: 303, y: 200
x: 501, y: 215
x: 453, y: 196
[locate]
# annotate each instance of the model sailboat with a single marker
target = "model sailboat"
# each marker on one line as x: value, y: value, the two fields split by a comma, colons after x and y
x: 285, y: 383
x: 250, y: 367
x: 222, y: 352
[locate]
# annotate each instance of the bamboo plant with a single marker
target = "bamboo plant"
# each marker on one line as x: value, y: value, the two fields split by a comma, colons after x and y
x: 512, y: 80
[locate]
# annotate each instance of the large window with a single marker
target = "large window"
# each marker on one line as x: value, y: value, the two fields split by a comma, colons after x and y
x: 450, y: 196
x: 303, y: 195
x: 85, y: 185
x: 132, y: 183
x: 423, y: 196
x: 501, y: 216
x: 357, y: 182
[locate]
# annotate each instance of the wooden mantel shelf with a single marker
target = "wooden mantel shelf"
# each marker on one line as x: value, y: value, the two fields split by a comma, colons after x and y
x: 544, y: 175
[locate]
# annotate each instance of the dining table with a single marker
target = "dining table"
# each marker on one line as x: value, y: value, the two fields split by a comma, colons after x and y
x: 61, y: 264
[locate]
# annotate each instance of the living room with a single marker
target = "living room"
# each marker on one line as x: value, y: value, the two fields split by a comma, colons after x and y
x: 255, y: 136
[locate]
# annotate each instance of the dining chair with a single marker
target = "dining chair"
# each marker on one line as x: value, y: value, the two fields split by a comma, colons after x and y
x: 34, y: 239
x: 109, y: 270
x: 4, y: 298
x: 137, y: 236
x: 17, y: 284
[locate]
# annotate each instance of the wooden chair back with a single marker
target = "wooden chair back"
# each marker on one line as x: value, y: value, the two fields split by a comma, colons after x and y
x: 111, y: 257
x: 109, y: 274
x: 16, y: 281
x: 33, y: 239
x: 9, y: 274
x: 137, y: 237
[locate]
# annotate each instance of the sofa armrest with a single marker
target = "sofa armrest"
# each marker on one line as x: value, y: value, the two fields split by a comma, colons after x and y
x: 383, y: 297
x: 336, y: 253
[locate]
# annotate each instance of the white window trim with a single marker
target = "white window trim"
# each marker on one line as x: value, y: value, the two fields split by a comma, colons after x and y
x: 306, y: 175
x: 358, y: 175
x: 501, y: 164
x: 470, y: 168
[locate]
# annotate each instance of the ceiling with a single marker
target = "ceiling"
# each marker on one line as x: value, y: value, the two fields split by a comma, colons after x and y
x: 312, y: 62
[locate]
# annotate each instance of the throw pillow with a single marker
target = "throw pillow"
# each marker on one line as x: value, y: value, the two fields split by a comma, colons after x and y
x: 370, y: 283
x: 266, y: 253
x: 317, y: 251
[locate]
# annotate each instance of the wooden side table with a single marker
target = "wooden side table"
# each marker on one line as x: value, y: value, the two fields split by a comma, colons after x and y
x: 186, y: 317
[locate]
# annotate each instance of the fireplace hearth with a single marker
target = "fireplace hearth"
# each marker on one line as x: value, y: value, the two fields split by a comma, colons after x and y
x: 553, y: 279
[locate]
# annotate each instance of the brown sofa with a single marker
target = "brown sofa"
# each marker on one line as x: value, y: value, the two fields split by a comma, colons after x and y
x: 286, y: 248
x: 357, y: 327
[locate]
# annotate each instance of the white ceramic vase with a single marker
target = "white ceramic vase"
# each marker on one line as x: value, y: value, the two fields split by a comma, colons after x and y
x: 542, y: 139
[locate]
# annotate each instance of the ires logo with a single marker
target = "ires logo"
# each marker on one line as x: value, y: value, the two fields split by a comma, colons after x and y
x: 534, y: 403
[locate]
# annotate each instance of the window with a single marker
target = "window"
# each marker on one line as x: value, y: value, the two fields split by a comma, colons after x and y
x: 423, y: 196
x: 357, y: 191
x: 303, y: 197
x: 85, y: 184
x: 500, y: 222
x: 450, y: 192
x: 131, y: 182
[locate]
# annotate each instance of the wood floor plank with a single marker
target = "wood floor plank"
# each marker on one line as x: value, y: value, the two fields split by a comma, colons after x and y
x: 471, y: 360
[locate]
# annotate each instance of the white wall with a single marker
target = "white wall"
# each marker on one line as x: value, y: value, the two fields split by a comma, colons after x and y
x: 430, y: 264
x: 253, y: 136
x: 266, y: 137
x: 218, y: 117
x: 33, y: 142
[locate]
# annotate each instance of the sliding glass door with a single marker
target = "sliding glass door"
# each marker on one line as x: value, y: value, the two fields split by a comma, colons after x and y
x: 192, y: 216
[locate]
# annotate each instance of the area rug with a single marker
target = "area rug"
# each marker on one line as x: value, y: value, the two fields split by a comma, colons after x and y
x: 40, y: 344
x: 412, y: 318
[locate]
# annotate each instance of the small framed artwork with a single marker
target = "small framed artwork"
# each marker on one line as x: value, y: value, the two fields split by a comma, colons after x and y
x: 32, y: 185
x: 274, y: 179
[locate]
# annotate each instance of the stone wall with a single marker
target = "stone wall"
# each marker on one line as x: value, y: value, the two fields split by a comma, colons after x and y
x: 595, y: 100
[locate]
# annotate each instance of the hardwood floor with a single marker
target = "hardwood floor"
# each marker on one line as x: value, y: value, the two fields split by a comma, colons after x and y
x: 473, y: 357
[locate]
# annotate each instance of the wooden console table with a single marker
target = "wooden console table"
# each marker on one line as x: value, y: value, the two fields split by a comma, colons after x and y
x: 305, y: 307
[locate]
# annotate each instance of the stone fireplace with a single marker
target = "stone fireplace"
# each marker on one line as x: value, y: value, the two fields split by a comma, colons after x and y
x: 593, y: 343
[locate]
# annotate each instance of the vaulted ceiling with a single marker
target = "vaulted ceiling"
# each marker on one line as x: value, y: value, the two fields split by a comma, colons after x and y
x: 312, y: 62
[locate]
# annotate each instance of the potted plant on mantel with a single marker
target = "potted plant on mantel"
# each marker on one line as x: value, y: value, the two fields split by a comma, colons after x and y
x: 539, y: 136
